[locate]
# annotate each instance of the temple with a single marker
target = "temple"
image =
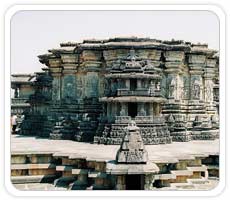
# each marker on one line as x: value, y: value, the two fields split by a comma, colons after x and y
x: 91, y: 91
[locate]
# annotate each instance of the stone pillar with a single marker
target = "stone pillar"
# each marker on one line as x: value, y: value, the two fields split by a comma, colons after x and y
x: 158, y: 109
x: 196, y: 65
x: 124, y: 109
x: 149, y: 179
x: 69, y: 84
x: 174, y: 66
x: 108, y: 109
x: 209, y: 74
x: 127, y: 84
x: 141, y: 111
x: 16, y: 92
x: 196, y: 110
x: 114, y: 109
x: 120, y: 185
x: 151, y: 112
x: 56, y: 87
x: 139, y: 83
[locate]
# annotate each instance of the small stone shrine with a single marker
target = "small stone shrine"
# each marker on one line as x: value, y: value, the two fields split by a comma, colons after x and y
x: 132, y: 147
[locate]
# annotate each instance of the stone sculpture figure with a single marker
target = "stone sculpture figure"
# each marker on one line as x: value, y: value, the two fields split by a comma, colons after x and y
x: 172, y: 88
x: 209, y: 92
x: 196, y: 90
x: 151, y: 88
x: 122, y: 112
x: 69, y: 90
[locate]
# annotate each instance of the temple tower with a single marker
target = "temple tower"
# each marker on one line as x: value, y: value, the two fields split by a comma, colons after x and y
x: 133, y: 92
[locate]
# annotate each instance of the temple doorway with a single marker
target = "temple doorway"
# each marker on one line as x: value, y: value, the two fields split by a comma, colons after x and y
x: 134, y: 182
x: 132, y: 109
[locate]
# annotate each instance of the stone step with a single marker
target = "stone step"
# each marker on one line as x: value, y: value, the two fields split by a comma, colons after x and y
x: 33, y: 179
x: 164, y: 176
x: 32, y: 166
x: 63, y: 168
x: 79, y: 171
x: 182, y: 185
x: 96, y: 174
x: 202, y: 168
x: 197, y: 181
x: 182, y: 172
x: 213, y: 167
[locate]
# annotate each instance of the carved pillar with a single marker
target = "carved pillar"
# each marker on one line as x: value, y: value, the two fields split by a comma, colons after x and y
x: 127, y: 84
x: 151, y: 109
x: 56, y: 72
x: 174, y: 65
x: 56, y: 87
x: 209, y: 74
x: 124, y: 109
x: 16, y: 92
x: 196, y: 65
x: 139, y: 83
x: 114, y: 109
x: 108, y: 109
x: 141, y: 109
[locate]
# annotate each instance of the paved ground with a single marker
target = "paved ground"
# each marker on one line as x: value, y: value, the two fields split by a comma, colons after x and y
x: 168, y: 152
x: 211, y: 183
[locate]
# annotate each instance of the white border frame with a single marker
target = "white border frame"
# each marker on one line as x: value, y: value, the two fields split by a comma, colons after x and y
x: 212, y: 8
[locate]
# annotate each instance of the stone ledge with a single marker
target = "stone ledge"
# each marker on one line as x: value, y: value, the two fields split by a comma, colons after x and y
x: 182, y: 172
x: 165, y: 176
x: 63, y: 168
x: 33, y: 179
x: 202, y: 168
x: 96, y: 174
x: 32, y: 166
x: 80, y: 171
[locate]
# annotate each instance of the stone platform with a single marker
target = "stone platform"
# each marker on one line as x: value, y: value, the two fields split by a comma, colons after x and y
x: 45, y: 164
x: 157, y: 153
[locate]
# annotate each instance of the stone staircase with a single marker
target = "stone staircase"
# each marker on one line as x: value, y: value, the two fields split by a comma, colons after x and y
x: 33, y: 168
x: 65, y: 171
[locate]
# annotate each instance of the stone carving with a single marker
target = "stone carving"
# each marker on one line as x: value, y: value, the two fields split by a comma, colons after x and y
x: 158, y: 86
x: 122, y: 112
x: 132, y: 147
x: 126, y: 67
x: 196, y: 90
x: 69, y: 87
x: 55, y: 89
x: 185, y: 89
x: 172, y: 88
x: 79, y: 87
x: 152, y: 88
x: 142, y: 111
x: 209, y: 93
x: 92, y: 85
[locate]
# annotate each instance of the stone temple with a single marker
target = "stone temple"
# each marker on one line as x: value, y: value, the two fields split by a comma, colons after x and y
x: 90, y: 91
x: 130, y: 92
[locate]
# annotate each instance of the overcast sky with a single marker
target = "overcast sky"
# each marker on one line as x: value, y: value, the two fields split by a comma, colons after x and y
x: 34, y: 32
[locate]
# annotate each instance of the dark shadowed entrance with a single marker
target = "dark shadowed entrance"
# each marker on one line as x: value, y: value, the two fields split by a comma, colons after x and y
x: 132, y: 109
x: 134, y: 182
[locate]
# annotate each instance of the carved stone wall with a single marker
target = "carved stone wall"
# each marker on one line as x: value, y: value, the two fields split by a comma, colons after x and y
x: 179, y: 79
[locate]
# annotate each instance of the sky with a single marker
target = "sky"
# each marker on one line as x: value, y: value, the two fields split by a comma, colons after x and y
x: 34, y: 32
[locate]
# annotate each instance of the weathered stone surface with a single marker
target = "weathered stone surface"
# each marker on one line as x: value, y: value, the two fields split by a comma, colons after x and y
x: 132, y: 147
x: 101, y: 84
